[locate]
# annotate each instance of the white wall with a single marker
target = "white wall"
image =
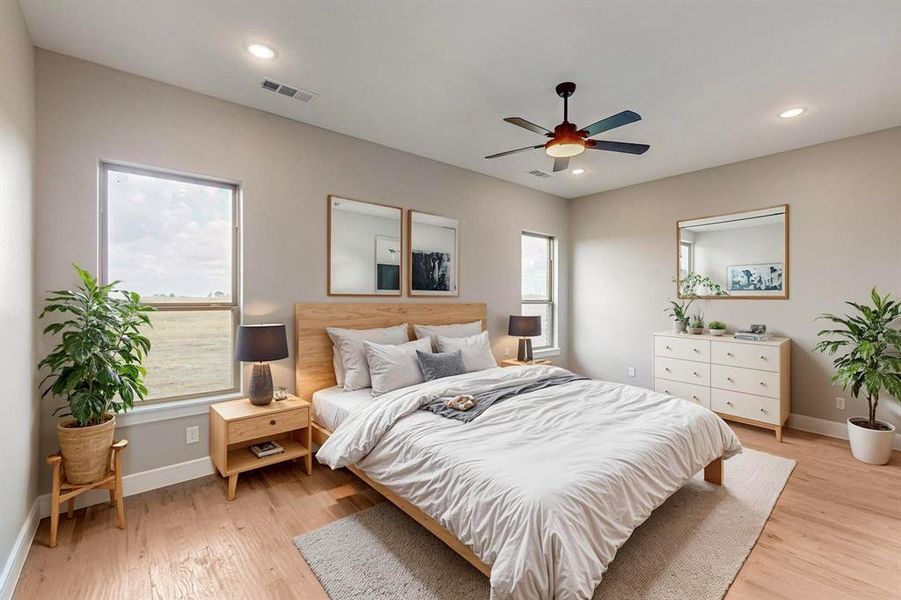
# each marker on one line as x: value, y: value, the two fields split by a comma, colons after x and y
x: 286, y: 169
x: 845, y: 237
x: 18, y: 406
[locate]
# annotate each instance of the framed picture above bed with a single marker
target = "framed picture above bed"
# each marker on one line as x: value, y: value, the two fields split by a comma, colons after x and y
x: 434, y: 244
x: 365, y: 250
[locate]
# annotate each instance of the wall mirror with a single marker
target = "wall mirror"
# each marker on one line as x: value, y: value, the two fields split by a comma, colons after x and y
x: 434, y: 251
x: 364, y: 248
x: 746, y: 253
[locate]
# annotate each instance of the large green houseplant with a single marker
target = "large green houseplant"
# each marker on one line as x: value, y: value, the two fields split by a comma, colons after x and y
x: 95, y: 366
x: 870, y: 364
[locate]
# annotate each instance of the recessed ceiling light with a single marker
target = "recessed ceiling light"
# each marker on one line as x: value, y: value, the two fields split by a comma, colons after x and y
x: 261, y: 51
x: 791, y: 113
x: 578, y: 171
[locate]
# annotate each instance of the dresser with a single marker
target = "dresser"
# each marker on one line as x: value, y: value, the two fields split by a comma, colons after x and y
x: 740, y: 380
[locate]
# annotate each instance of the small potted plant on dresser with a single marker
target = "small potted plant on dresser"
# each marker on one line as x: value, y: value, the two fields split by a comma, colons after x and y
x: 96, y: 367
x: 680, y: 318
x: 688, y: 289
x: 697, y: 324
x: 870, y: 363
x: 716, y: 328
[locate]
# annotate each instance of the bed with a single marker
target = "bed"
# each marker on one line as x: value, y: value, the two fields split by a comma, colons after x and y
x: 538, y: 492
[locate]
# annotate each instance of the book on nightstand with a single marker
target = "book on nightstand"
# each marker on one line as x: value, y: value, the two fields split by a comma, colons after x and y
x: 266, y: 449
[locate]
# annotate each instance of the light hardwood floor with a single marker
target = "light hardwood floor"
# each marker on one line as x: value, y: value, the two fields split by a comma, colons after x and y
x: 835, y: 533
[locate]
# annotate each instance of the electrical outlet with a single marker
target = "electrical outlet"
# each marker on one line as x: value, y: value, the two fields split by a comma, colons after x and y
x: 840, y: 403
x: 192, y: 434
x: 631, y: 371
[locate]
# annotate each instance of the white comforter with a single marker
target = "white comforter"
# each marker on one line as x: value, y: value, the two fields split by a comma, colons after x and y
x: 544, y: 487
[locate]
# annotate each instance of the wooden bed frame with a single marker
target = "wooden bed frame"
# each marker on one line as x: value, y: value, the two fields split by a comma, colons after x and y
x: 314, y: 371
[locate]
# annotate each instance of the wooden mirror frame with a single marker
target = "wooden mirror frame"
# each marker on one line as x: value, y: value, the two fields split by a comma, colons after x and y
x: 424, y: 294
x: 328, y: 252
x: 786, y: 271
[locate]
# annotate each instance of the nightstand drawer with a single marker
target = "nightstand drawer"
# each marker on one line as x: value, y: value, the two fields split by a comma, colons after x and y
x: 685, y: 371
x: 264, y: 425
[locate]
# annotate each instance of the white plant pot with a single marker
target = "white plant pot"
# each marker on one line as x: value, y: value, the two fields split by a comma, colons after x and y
x: 869, y: 445
x: 678, y: 327
x: 717, y: 331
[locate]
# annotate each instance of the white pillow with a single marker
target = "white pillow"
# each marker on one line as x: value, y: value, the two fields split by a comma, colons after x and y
x: 394, y: 366
x: 338, y: 366
x: 476, y: 350
x: 349, y: 343
x: 455, y: 331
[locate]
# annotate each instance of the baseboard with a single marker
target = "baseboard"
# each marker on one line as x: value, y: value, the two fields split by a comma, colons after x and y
x: 828, y: 428
x: 137, y: 483
x: 19, y: 552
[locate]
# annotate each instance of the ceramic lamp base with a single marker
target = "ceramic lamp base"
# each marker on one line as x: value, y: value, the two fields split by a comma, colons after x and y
x: 261, y: 385
x: 525, y: 350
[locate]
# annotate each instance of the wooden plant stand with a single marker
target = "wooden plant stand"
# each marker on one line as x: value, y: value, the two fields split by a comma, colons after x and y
x: 63, y: 491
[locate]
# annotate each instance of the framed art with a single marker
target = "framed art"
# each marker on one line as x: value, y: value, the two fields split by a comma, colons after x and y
x: 434, y: 255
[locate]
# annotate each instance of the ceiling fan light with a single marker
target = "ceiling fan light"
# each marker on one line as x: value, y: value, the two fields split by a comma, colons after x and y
x: 565, y: 148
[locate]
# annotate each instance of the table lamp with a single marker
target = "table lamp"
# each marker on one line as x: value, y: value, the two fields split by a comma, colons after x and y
x: 260, y: 344
x: 524, y: 328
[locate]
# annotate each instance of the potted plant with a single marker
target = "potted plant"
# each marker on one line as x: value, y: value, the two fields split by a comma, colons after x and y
x: 716, y: 328
x: 688, y: 288
x: 697, y: 324
x: 870, y: 364
x: 96, y: 367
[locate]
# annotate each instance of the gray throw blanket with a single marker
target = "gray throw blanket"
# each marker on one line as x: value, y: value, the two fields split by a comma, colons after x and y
x: 485, y: 400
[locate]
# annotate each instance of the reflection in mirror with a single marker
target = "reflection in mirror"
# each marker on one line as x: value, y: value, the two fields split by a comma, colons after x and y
x: 434, y: 246
x: 364, y: 248
x: 745, y: 253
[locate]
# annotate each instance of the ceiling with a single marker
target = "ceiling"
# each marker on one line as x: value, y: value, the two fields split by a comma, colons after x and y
x: 436, y: 78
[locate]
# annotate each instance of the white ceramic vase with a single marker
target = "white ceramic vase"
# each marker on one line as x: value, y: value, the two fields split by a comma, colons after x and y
x: 871, y: 446
x: 717, y: 331
x: 678, y: 326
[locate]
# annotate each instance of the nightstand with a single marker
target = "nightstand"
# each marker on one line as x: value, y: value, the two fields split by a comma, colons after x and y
x: 236, y: 425
x: 509, y: 362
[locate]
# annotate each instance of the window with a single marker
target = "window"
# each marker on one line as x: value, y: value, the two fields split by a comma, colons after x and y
x: 686, y: 259
x: 174, y: 240
x: 538, y: 284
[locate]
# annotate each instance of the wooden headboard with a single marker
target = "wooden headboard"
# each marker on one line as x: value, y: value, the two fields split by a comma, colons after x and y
x: 313, y: 349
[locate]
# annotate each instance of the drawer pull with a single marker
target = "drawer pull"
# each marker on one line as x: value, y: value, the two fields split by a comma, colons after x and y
x: 667, y: 347
x: 763, y: 384
x: 272, y: 422
x: 729, y: 403
x: 730, y: 380
x: 762, y: 357
x: 666, y: 369
x: 666, y: 391
x: 729, y: 354
x: 695, y: 350
x: 763, y: 410
x: 695, y: 373
x: 693, y: 397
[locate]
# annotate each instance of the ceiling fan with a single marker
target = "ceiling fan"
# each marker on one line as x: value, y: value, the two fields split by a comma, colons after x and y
x: 568, y: 141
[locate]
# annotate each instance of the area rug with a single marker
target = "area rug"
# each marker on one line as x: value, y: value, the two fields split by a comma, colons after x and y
x: 690, y: 548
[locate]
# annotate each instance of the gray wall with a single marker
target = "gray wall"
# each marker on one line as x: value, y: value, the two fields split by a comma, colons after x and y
x: 18, y: 409
x: 845, y: 237
x: 88, y: 112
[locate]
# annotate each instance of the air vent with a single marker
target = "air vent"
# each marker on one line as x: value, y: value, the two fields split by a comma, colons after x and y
x: 540, y: 174
x: 288, y: 90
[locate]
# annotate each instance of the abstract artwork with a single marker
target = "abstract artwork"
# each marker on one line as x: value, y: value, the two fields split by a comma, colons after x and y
x: 764, y: 277
x: 430, y: 271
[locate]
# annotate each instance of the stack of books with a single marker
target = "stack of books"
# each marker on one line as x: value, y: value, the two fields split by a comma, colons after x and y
x: 266, y: 449
x: 750, y: 335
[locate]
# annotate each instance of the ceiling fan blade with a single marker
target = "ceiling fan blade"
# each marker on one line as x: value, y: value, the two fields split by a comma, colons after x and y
x: 618, y: 147
x: 508, y: 152
x: 561, y: 164
x: 617, y: 120
x: 520, y: 122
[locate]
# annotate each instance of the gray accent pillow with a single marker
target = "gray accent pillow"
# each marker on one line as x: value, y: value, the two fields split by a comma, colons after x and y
x: 441, y: 364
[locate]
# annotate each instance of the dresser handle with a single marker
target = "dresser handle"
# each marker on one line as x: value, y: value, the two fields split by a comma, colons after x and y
x: 695, y: 373
x: 667, y: 347
x: 729, y: 403
x: 763, y: 384
x: 730, y: 380
x: 693, y: 397
x: 666, y: 369
x: 763, y: 410
x: 695, y: 350
x: 666, y: 391
x: 762, y: 357
x: 729, y: 354
x: 272, y: 422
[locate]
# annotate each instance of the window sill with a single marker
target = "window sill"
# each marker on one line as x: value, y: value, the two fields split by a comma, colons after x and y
x: 546, y: 353
x: 176, y: 409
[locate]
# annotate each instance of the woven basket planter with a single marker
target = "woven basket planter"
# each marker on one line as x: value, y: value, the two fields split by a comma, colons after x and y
x: 86, y: 450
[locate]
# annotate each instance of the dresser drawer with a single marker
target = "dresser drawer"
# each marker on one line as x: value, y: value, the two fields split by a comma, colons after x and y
x: 264, y: 425
x: 685, y: 371
x: 748, y: 406
x: 748, y: 356
x: 684, y: 348
x: 693, y: 393
x: 749, y: 381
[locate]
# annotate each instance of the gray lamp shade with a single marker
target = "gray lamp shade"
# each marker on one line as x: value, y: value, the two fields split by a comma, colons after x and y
x: 524, y: 326
x: 260, y: 343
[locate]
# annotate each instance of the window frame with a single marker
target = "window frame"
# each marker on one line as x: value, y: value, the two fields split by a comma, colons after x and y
x: 234, y: 306
x: 551, y: 288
